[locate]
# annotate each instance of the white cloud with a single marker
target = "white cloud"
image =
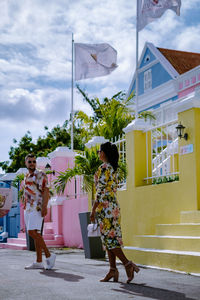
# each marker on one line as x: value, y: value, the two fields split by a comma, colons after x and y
x: 35, y: 55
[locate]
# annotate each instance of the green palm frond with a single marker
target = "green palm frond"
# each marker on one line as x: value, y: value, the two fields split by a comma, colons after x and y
x: 122, y: 171
x: 18, y: 179
x: 65, y: 177
x: 88, y: 182
x: 147, y: 115
x: 85, y: 165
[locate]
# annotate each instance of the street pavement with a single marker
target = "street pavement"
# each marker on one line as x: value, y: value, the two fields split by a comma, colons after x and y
x: 77, y: 278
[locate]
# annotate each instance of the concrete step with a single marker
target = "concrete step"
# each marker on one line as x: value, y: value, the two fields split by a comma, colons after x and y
x: 190, y: 216
x: 48, y: 228
x: 16, y: 241
x: 48, y: 225
x: 22, y: 235
x: 180, y: 243
x: 57, y: 241
x: 190, y: 229
x: 48, y: 236
x: 48, y: 231
x: 13, y: 246
x: 185, y: 261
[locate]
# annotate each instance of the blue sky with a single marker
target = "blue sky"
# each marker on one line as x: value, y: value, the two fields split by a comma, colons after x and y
x: 35, y: 55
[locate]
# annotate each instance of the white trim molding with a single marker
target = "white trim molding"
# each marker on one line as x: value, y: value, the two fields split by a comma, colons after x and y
x: 188, y: 79
x: 43, y: 161
x: 191, y: 101
x: 158, y: 95
x: 62, y: 152
x: 137, y: 124
x: 96, y: 140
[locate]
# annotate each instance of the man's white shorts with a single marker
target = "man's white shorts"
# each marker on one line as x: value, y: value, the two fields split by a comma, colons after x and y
x: 33, y: 220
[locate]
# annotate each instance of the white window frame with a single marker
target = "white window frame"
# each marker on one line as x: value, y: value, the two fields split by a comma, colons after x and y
x: 147, y: 80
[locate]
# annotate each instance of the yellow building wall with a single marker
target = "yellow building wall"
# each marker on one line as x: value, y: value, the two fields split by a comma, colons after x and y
x: 143, y: 206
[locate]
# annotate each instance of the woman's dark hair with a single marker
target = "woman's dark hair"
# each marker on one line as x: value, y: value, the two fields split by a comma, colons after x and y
x: 111, y: 153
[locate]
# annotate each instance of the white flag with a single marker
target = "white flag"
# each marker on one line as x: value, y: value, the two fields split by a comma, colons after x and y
x: 94, y: 60
x: 149, y: 10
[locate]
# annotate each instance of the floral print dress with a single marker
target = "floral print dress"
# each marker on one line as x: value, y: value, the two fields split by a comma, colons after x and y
x: 108, y: 210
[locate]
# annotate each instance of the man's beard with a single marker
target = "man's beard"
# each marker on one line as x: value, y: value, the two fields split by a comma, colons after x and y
x: 32, y: 169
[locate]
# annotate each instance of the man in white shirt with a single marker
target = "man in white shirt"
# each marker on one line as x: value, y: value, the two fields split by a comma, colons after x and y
x: 35, y: 200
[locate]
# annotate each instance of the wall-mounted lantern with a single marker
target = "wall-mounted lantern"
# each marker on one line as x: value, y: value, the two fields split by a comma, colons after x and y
x: 180, y: 131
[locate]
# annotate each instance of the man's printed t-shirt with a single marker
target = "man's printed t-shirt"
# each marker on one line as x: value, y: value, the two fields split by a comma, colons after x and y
x: 34, y: 186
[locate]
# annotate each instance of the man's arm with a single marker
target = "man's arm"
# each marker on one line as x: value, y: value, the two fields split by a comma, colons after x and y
x: 45, y: 197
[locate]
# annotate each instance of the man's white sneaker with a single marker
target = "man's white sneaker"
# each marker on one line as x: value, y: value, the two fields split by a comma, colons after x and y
x: 51, y: 261
x: 34, y: 265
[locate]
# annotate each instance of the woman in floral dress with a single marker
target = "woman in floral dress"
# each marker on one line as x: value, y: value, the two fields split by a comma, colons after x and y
x: 107, y: 212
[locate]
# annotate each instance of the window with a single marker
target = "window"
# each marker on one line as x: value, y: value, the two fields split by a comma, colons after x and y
x: 147, y: 58
x: 147, y: 80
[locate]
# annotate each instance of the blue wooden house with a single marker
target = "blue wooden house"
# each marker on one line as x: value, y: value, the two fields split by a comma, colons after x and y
x: 10, y: 224
x: 158, y: 72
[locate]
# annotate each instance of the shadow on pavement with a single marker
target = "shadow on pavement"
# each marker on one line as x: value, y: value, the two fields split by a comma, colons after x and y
x: 64, y: 276
x: 150, y: 292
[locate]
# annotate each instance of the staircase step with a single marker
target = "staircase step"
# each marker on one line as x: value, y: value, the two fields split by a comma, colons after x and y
x: 22, y: 235
x: 185, y: 261
x: 180, y: 243
x: 191, y: 229
x: 48, y: 236
x: 16, y: 241
x: 54, y: 242
x: 13, y: 246
x: 190, y: 216
x: 48, y: 231
x: 48, y: 225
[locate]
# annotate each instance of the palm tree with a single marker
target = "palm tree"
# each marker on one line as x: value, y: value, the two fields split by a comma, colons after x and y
x: 86, y: 166
x: 110, y: 116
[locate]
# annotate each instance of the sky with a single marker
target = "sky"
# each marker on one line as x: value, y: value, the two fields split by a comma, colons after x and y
x: 35, y: 56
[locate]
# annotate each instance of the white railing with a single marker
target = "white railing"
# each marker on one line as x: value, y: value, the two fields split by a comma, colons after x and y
x: 120, y: 142
x: 164, y: 146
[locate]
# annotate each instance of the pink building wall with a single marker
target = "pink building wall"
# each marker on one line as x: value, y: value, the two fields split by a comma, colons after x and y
x: 65, y: 208
x: 187, y: 91
x: 71, y: 226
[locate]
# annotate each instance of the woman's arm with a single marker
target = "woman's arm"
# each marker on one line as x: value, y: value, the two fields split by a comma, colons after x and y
x: 92, y: 215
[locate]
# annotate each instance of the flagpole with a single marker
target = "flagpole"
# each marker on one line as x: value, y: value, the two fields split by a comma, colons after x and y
x: 136, y: 73
x: 72, y: 97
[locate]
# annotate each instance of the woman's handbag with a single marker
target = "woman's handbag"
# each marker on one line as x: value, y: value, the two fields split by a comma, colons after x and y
x: 93, y: 230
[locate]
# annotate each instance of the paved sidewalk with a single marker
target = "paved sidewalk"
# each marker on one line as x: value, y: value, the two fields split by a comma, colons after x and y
x: 77, y: 278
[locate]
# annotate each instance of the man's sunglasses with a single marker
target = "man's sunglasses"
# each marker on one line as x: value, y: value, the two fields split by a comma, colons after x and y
x: 32, y: 161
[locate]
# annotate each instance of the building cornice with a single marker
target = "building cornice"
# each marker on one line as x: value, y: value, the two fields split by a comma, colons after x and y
x: 157, y: 95
x: 96, y: 140
x: 61, y: 152
x: 191, y: 101
x: 188, y: 79
x: 137, y: 124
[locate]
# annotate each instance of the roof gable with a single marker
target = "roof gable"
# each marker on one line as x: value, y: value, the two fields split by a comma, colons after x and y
x: 158, y: 70
x: 151, y: 55
x: 181, y: 61
x: 147, y: 58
